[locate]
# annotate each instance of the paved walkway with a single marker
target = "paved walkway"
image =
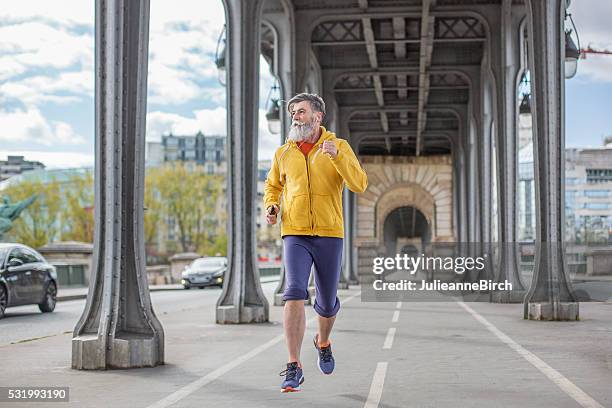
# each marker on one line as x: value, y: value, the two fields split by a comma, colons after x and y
x: 391, y: 355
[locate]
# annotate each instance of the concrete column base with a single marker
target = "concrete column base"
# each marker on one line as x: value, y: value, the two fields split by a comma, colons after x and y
x: 508, y: 296
x: 131, y: 350
x: 88, y: 353
x: 231, y: 314
x: 551, y: 311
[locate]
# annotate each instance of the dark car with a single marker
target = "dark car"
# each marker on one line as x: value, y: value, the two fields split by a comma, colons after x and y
x: 26, y: 278
x: 205, y: 272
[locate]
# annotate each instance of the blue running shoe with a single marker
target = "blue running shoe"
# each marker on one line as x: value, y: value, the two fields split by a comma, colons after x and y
x: 325, y: 359
x: 293, y: 378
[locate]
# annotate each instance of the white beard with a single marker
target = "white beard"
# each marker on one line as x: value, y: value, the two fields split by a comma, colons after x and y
x: 301, y: 131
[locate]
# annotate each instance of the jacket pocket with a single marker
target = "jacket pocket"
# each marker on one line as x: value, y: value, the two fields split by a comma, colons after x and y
x: 324, y: 211
x: 299, y: 215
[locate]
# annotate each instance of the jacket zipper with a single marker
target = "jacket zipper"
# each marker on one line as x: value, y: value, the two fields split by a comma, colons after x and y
x: 309, y: 192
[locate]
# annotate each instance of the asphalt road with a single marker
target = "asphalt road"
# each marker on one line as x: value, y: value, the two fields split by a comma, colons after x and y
x: 27, y: 323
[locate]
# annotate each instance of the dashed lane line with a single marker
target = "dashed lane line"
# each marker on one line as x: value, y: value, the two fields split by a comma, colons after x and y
x: 215, y: 374
x: 395, y: 316
x: 378, y: 382
x: 389, y: 339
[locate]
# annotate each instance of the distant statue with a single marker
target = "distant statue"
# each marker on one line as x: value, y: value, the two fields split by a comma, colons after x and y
x: 10, y: 212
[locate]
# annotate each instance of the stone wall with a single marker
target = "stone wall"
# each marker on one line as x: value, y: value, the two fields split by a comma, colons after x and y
x: 393, y: 182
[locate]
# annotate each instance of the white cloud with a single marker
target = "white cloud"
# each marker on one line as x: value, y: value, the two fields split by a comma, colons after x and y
x: 53, y: 159
x: 30, y: 126
x: 192, y: 11
x: 39, y: 35
x: 595, y: 68
x: 168, y: 85
x: 32, y: 45
x: 181, y: 61
x: 63, y: 11
x: 40, y: 89
x: 592, y: 20
x: 208, y: 121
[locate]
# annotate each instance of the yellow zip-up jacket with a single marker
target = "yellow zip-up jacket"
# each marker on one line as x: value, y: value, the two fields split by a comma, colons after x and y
x: 311, y: 186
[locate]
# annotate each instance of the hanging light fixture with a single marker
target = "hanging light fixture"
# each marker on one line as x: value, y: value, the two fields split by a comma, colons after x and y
x: 525, y: 106
x: 525, y: 90
x: 220, y: 57
x: 273, y: 113
x: 572, y: 53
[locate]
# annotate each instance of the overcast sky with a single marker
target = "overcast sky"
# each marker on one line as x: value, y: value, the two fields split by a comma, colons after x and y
x: 47, y: 80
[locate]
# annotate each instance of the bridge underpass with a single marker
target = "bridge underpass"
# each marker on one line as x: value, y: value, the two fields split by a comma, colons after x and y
x: 406, y: 230
x: 425, y: 92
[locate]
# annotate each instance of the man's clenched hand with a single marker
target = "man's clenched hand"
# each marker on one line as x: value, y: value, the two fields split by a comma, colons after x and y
x: 329, y: 148
x: 271, y: 214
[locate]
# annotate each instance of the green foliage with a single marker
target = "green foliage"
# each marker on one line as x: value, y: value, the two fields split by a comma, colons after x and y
x: 180, y: 192
x: 78, y: 219
x: 39, y: 223
x: 187, y: 196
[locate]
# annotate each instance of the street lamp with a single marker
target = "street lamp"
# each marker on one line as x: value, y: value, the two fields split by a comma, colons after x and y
x: 525, y: 91
x: 572, y: 53
x: 220, y: 57
x: 273, y: 113
x: 525, y: 106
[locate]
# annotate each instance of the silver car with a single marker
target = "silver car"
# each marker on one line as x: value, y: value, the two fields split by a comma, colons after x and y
x: 204, y: 272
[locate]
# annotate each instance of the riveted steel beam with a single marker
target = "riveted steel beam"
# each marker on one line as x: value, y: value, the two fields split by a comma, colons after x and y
x: 118, y: 328
x: 242, y: 299
x: 550, y: 296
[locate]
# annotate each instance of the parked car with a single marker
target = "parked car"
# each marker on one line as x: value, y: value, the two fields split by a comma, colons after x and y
x: 204, y: 272
x: 26, y: 278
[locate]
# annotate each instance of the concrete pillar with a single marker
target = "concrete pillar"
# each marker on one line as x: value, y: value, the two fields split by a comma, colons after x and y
x: 242, y: 300
x: 463, y: 221
x: 457, y: 211
x: 285, y: 73
x: 506, y: 66
x: 550, y: 296
x: 346, y: 256
x: 118, y: 328
x: 282, y: 285
x: 485, y: 164
x: 473, y: 181
x: 352, y: 234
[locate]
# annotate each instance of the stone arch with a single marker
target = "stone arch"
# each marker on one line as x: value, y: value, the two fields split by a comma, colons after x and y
x: 404, y: 195
x: 422, y: 182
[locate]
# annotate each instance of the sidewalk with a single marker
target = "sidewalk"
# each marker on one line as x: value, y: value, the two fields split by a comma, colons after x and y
x: 393, y: 355
x: 65, y: 294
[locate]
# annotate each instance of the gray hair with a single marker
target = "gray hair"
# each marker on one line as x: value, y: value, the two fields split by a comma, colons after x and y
x: 316, y: 102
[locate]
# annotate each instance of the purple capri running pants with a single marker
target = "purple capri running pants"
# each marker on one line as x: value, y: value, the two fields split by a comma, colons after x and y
x: 299, y: 253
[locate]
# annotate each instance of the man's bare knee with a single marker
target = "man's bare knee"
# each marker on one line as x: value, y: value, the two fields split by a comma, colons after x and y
x: 294, y: 304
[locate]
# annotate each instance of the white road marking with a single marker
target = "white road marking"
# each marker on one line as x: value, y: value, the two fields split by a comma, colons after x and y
x: 395, y: 316
x: 213, y: 375
x: 398, y: 305
x: 389, y: 339
x: 571, y: 389
x: 377, y: 385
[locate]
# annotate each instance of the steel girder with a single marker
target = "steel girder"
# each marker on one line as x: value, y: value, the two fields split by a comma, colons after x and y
x: 242, y: 299
x: 550, y: 296
x: 506, y: 68
x: 118, y: 328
